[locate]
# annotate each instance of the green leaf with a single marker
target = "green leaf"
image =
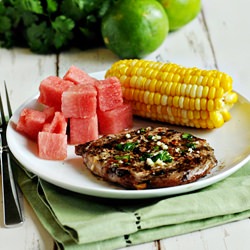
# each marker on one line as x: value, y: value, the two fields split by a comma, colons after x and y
x: 63, y: 24
x: 5, y: 24
x: 52, y: 5
x: 91, y: 19
x: 29, y: 18
x: 7, y: 40
x: 40, y: 38
x: 2, y: 8
x: 73, y: 8
x: 14, y: 15
x: 29, y: 5
x: 63, y: 27
x: 104, y: 6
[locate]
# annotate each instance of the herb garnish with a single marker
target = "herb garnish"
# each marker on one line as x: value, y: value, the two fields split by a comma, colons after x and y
x: 163, y: 156
x: 191, y: 145
x: 187, y: 136
x: 128, y: 146
x: 122, y: 157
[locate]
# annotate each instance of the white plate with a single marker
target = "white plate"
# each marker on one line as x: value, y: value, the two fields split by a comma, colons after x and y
x: 231, y: 143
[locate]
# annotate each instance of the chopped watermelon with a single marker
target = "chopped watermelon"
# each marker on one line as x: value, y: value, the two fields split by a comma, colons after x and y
x: 51, y: 89
x: 79, y: 101
x: 109, y: 93
x: 78, y: 76
x: 31, y: 122
x: 115, y: 120
x: 83, y: 129
x: 91, y: 106
x: 58, y: 125
x: 52, y: 146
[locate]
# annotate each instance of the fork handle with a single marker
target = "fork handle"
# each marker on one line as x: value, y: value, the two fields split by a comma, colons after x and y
x: 12, y: 209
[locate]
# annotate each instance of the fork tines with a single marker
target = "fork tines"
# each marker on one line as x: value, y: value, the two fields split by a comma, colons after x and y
x: 3, y: 117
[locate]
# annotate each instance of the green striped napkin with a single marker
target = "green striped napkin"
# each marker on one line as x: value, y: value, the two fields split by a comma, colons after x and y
x: 77, y: 221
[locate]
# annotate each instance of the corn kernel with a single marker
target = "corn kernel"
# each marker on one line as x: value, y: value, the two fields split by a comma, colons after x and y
x: 151, y: 98
x: 157, y: 99
x: 203, y: 103
x: 210, y: 105
x: 164, y: 100
x: 193, y: 91
x: 173, y: 89
x: 197, y: 104
x: 176, y: 101
x: 192, y: 104
x: 211, y: 93
x: 217, y: 118
x: 170, y: 101
x: 181, y: 102
x: 152, y: 85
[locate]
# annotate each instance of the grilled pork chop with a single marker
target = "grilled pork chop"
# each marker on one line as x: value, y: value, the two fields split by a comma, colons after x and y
x: 148, y: 158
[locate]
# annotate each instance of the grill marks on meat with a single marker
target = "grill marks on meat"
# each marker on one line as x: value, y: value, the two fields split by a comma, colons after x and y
x: 148, y: 158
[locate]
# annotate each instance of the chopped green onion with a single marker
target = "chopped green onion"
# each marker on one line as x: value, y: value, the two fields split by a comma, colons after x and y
x: 187, y: 136
x: 122, y: 157
x: 145, y: 156
x: 129, y: 146
x: 163, y: 156
x: 191, y: 145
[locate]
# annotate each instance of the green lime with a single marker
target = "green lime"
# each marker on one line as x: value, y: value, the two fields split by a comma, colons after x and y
x: 180, y: 12
x: 134, y: 28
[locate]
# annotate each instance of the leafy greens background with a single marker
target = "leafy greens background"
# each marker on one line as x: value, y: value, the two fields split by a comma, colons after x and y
x: 48, y: 26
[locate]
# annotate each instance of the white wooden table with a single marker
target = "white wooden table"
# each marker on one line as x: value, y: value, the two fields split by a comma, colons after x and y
x: 218, y: 38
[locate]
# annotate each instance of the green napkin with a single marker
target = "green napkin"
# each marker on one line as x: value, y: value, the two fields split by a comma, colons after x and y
x: 78, y: 221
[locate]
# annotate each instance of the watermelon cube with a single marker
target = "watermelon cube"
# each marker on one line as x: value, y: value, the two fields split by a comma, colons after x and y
x: 115, y: 120
x: 31, y: 122
x: 58, y: 125
x: 83, y: 129
x: 79, y: 101
x: 51, y: 89
x: 52, y: 146
x: 49, y: 113
x: 78, y: 76
x: 109, y: 93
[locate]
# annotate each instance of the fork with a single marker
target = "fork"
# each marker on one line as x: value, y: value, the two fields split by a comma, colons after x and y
x: 11, y: 205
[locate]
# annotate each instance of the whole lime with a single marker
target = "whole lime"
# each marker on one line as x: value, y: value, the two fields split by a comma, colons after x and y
x: 134, y: 28
x: 180, y: 12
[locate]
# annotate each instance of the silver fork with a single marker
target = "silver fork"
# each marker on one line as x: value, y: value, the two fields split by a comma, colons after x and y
x: 11, y: 205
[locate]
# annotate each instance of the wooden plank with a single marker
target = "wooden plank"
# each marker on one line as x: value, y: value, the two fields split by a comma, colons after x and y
x: 23, y: 71
x: 189, y: 46
x: 146, y: 246
x: 226, y: 237
x: 90, y: 61
x: 228, y: 25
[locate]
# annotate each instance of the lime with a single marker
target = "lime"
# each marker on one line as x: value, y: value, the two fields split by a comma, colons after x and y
x: 180, y: 12
x: 134, y: 28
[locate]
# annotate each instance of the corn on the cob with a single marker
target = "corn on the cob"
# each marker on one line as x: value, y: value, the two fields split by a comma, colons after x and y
x: 178, y: 95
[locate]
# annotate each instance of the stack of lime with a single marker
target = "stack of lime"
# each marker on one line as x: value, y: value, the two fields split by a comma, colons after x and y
x: 180, y: 12
x: 135, y: 28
